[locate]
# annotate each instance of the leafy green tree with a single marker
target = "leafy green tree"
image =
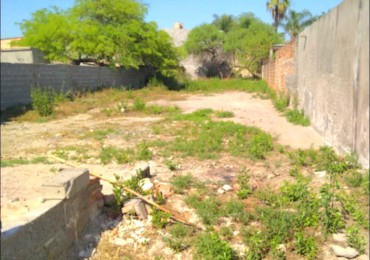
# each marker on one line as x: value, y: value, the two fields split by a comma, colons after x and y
x: 101, y: 31
x: 294, y: 22
x: 277, y: 9
x: 206, y: 41
x: 48, y: 30
x: 251, y: 45
x: 224, y: 22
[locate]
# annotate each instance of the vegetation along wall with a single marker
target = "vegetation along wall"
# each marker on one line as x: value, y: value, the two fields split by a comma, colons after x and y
x: 17, y: 79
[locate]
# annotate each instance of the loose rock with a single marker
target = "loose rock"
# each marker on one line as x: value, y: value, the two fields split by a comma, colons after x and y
x: 347, y: 252
x: 227, y: 187
x: 146, y: 184
x: 340, y: 237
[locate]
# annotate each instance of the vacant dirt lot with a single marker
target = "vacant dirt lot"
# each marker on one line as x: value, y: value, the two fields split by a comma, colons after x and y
x: 82, y: 138
x: 29, y: 140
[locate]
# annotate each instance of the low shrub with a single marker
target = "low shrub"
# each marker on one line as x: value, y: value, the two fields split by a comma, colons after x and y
x: 210, y: 247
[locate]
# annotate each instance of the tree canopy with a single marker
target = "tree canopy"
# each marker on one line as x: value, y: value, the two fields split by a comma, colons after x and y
x: 294, y: 22
x: 244, y: 38
x: 102, y: 31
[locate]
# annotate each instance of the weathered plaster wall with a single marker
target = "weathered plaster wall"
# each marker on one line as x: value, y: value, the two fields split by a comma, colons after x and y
x: 333, y: 77
x: 22, y: 55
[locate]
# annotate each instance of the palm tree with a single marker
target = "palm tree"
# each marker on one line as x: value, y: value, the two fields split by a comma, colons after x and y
x: 277, y: 9
x: 295, y: 22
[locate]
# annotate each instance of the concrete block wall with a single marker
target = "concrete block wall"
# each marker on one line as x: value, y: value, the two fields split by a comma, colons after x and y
x: 72, y: 199
x: 17, y: 79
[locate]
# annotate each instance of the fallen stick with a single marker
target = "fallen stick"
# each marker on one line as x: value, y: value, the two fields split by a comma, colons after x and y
x: 172, y: 215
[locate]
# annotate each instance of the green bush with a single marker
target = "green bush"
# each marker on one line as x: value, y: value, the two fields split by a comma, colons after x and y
x: 257, y: 243
x: 43, y: 100
x: 305, y: 246
x: 243, y: 181
x: 210, y: 247
x: 159, y: 218
x: 259, y: 145
x: 294, y: 191
x: 139, y: 104
x: 281, y: 101
x: 331, y: 218
x: 355, y: 238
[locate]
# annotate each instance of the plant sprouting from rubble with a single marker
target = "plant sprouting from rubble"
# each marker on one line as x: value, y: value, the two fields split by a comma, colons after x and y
x: 159, y: 218
x: 243, y: 181
x: 118, y: 190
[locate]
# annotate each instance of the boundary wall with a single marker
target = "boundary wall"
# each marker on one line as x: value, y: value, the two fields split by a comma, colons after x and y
x: 17, y: 79
x: 331, y: 77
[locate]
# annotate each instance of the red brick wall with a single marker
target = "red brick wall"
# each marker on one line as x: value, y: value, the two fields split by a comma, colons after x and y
x: 278, y: 69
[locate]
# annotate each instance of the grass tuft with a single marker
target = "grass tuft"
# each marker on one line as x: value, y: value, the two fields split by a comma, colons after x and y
x: 297, y: 117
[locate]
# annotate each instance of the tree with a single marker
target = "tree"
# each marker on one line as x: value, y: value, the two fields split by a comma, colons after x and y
x: 294, y: 22
x: 250, y: 46
x: 206, y: 41
x: 277, y: 9
x: 245, y: 44
x: 224, y: 22
x: 102, y: 31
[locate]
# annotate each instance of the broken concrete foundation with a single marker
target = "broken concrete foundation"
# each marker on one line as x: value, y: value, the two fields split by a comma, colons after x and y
x: 71, y: 199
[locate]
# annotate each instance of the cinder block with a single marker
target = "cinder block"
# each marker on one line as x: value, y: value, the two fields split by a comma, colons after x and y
x: 73, y: 206
x: 66, y: 184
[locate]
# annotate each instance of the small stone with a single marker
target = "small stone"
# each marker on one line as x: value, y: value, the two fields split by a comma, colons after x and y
x: 347, y: 252
x: 227, y: 187
x: 320, y: 174
x: 146, y: 184
x: 120, y: 241
x: 281, y: 248
x: 340, y: 237
x: 270, y: 176
x: 235, y: 233
x: 220, y: 191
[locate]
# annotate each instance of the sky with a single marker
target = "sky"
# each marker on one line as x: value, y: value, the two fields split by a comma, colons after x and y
x: 164, y: 12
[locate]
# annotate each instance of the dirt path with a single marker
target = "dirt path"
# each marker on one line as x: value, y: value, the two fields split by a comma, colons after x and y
x: 254, y: 112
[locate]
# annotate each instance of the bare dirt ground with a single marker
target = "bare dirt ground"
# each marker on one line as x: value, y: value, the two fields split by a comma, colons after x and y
x: 21, y: 185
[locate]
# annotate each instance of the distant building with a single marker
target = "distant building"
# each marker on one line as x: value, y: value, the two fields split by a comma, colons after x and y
x: 19, y: 54
x: 179, y: 35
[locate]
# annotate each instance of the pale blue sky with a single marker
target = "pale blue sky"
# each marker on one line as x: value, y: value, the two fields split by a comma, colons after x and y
x: 165, y: 12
